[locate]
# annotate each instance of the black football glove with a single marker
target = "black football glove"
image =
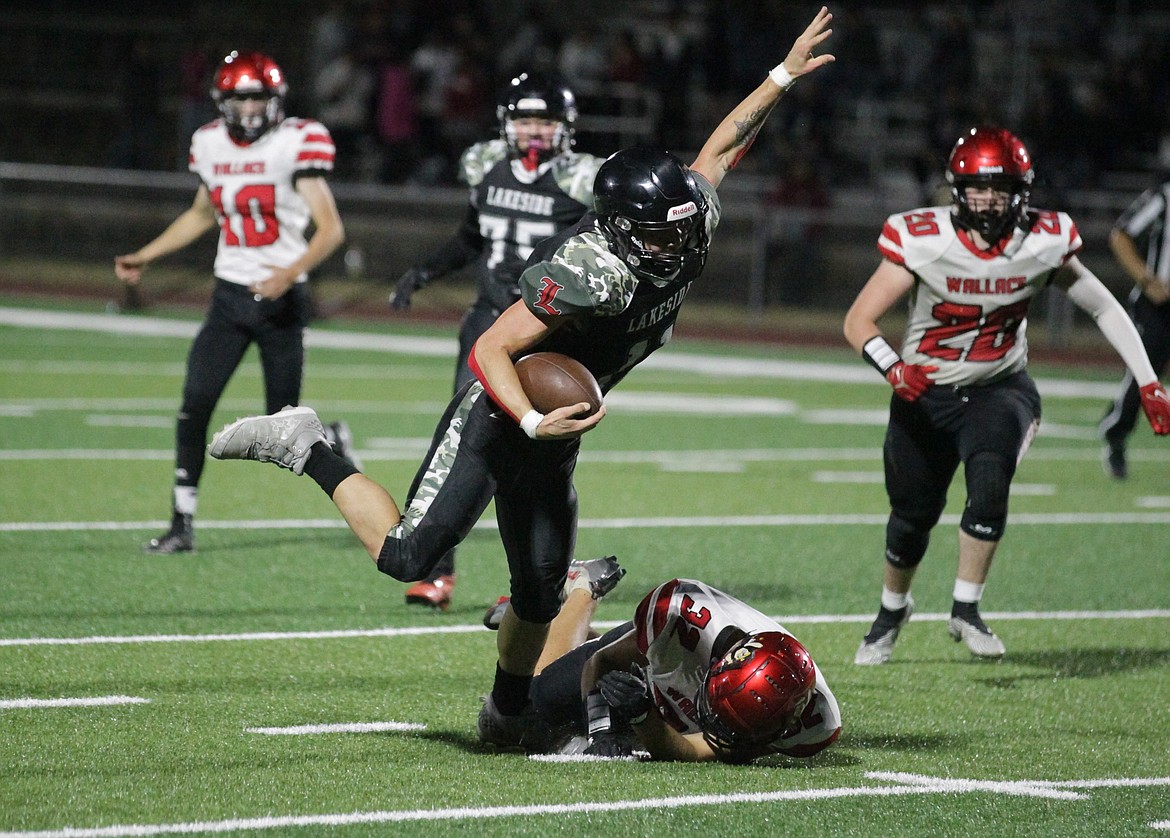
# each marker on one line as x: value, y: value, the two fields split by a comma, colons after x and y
x: 407, y: 284
x: 627, y: 693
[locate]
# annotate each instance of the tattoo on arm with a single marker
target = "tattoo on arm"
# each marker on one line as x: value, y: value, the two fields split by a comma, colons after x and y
x: 746, y: 131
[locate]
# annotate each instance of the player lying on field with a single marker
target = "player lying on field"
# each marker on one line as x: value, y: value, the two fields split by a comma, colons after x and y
x: 697, y: 675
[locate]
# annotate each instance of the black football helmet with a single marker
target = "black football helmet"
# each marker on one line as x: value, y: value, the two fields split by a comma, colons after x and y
x: 653, y: 215
x: 249, y: 75
x: 987, y: 156
x: 756, y: 692
x: 537, y: 97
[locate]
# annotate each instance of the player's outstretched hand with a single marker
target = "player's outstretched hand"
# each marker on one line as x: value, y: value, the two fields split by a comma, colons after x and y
x: 407, y: 284
x: 561, y: 424
x: 1157, y: 407
x: 909, y: 381
x: 801, y: 58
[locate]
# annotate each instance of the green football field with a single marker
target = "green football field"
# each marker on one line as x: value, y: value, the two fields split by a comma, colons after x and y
x: 274, y: 683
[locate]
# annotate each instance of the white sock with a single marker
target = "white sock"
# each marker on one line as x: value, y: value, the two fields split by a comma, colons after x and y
x: 894, y: 601
x: 968, y: 591
x: 186, y: 499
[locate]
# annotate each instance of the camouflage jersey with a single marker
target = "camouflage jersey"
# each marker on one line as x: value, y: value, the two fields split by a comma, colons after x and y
x: 617, y: 319
x: 515, y: 212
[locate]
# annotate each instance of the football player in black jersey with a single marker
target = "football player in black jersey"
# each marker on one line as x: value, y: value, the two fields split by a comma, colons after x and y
x: 605, y: 292
x: 525, y: 186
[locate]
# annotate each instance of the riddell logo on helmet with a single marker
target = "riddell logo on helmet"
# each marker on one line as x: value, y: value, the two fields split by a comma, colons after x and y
x: 990, y: 170
x: 682, y: 211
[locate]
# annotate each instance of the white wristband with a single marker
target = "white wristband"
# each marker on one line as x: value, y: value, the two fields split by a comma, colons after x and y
x: 879, y: 354
x: 782, y: 77
x: 531, y: 419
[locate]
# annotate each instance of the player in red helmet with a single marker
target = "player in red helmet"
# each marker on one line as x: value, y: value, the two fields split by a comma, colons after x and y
x: 262, y: 184
x: 249, y: 90
x: 697, y: 675
x: 962, y: 393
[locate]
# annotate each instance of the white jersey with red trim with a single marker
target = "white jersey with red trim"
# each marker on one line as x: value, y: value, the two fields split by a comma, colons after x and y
x: 968, y: 308
x: 677, y: 626
x: 262, y: 218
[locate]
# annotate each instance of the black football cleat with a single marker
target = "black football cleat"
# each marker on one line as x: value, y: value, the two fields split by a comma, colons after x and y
x: 180, y: 538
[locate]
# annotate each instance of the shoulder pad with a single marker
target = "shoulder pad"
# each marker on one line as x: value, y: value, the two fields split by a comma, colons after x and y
x: 479, y: 159
x: 575, y: 174
x: 916, y: 237
x: 581, y: 277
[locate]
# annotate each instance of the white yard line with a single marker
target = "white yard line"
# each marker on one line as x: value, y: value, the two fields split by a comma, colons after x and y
x: 90, y: 701
x: 905, y: 785
x: 419, y: 631
x: 343, y: 727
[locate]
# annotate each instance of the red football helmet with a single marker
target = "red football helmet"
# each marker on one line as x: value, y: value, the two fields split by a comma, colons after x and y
x: 990, y: 157
x: 756, y: 691
x: 243, y: 76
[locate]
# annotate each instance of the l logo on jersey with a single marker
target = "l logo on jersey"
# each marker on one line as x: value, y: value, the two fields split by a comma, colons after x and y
x: 548, y: 293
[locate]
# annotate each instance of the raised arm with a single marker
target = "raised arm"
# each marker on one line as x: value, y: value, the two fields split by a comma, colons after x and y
x: 735, y: 134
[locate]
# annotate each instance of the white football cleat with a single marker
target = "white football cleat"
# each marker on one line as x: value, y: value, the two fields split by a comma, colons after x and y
x: 285, y: 438
x: 981, y: 640
x: 877, y: 646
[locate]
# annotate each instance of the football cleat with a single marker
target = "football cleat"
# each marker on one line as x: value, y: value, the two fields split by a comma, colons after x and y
x: 340, y: 439
x: 527, y: 731
x: 597, y: 576
x: 180, y: 538
x: 981, y: 640
x: 433, y: 592
x: 495, y: 615
x: 1113, y: 461
x: 285, y: 438
x: 878, y: 645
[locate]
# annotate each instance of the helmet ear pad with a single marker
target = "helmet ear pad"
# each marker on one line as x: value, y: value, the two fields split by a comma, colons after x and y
x: 653, y: 215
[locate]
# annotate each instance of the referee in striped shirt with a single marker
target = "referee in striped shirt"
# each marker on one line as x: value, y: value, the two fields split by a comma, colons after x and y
x: 1140, y: 241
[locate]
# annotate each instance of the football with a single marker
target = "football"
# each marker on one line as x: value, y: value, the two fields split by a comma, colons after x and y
x: 551, y: 380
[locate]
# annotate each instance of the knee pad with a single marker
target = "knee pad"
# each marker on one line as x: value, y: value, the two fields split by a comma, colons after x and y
x: 906, y: 542
x: 989, y: 479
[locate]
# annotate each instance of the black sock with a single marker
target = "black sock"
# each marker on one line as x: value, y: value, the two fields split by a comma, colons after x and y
x: 327, y: 468
x: 510, y: 692
x: 964, y: 609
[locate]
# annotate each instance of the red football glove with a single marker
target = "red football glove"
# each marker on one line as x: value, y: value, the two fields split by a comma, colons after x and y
x: 911, y: 380
x: 1157, y: 407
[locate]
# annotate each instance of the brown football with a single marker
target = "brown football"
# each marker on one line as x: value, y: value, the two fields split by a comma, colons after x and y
x: 551, y: 380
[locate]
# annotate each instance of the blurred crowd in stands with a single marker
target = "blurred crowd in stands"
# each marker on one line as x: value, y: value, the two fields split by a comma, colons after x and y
x: 405, y: 85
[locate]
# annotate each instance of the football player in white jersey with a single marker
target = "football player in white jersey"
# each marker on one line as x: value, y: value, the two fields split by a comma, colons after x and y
x: 524, y: 186
x: 262, y: 183
x: 697, y: 675
x: 962, y: 393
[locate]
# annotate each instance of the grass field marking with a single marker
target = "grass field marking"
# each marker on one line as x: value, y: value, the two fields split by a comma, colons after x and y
x: 1163, y: 825
x: 906, y: 784
x: 1026, y: 788
x: 852, y: 372
x: 92, y: 701
x: 100, y: 640
x: 697, y: 521
x: 420, y: 631
x: 340, y: 727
